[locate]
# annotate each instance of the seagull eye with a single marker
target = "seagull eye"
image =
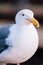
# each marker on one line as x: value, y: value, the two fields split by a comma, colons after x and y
x: 22, y: 14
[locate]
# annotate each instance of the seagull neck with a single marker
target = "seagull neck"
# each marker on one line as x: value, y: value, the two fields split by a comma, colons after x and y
x: 25, y: 26
x: 20, y: 25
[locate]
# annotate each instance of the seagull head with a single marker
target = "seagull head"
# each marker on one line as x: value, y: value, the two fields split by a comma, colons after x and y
x: 26, y: 17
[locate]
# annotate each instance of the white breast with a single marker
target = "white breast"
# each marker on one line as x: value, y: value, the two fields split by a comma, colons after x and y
x: 24, y: 41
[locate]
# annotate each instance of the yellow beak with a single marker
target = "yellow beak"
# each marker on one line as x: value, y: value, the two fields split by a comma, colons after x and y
x: 35, y: 22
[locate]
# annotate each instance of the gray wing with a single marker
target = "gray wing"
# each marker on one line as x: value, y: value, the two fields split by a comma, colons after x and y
x: 4, y: 32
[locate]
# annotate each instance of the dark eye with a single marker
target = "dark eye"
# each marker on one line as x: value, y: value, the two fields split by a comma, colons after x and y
x: 22, y: 14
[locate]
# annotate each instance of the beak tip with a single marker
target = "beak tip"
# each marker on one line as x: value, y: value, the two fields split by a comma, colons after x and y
x: 38, y: 25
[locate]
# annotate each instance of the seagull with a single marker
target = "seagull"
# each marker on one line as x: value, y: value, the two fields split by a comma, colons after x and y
x: 19, y: 42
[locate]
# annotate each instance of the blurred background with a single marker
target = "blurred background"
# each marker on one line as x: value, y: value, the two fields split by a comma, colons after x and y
x: 8, y: 10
